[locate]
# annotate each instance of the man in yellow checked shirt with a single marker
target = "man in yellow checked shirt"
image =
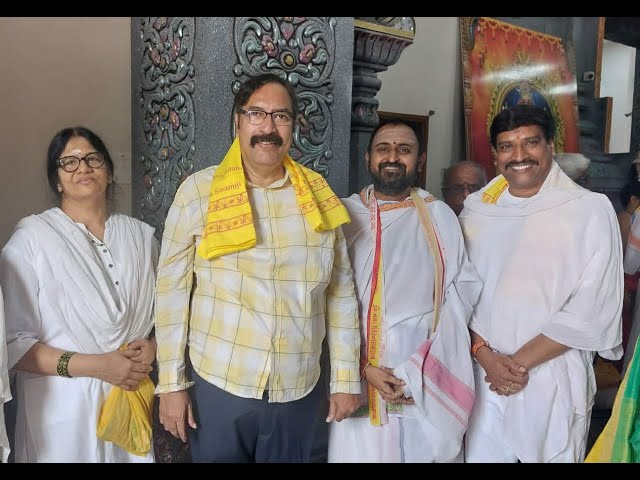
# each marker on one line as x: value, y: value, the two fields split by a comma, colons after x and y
x: 253, y: 274
x: 416, y: 290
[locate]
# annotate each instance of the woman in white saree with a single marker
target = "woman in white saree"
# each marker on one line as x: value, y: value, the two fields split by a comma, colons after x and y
x: 78, y: 283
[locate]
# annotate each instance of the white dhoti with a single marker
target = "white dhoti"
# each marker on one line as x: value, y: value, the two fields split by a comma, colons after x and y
x: 436, y: 367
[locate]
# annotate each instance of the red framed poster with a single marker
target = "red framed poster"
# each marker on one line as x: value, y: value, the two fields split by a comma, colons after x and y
x: 505, y: 65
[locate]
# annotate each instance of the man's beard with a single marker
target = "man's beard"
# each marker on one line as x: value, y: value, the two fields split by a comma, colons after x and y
x: 392, y: 183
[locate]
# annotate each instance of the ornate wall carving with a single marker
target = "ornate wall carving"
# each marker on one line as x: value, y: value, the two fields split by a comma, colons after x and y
x: 165, y: 96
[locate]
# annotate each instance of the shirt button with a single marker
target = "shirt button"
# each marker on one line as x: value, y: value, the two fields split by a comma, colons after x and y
x: 104, y: 251
x: 117, y: 283
x: 110, y: 265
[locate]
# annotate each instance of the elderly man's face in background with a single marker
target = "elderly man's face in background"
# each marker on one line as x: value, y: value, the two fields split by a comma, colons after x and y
x: 463, y: 180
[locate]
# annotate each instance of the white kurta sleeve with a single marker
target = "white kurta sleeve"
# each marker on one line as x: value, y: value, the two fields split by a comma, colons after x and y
x: 20, y: 286
x: 5, y: 391
x: 591, y: 317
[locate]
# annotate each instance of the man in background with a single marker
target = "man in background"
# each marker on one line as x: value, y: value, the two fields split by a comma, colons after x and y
x: 575, y: 165
x: 459, y: 181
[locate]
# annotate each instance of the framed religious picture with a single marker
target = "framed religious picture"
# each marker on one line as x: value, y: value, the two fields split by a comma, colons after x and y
x: 504, y: 65
x: 420, y: 124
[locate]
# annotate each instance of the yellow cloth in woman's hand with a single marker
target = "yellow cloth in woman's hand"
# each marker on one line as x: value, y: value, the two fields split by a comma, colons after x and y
x: 125, y: 418
x: 229, y: 227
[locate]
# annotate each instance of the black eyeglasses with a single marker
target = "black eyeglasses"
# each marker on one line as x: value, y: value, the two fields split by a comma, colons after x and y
x: 256, y: 117
x: 71, y: 163
x: 459, y: 189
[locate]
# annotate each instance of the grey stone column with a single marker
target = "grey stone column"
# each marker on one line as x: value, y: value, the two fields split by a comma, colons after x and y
x: 378, y: 44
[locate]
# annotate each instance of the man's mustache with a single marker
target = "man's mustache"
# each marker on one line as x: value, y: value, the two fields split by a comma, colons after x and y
x: 267, y: 138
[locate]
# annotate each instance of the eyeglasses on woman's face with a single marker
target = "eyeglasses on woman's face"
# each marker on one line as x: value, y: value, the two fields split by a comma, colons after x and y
x: 71, y: 163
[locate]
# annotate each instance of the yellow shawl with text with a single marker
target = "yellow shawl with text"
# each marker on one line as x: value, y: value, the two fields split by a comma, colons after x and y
x: 229, y: 227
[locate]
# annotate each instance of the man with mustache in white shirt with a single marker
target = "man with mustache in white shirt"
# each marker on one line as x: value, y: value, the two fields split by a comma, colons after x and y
x: 549, y: 255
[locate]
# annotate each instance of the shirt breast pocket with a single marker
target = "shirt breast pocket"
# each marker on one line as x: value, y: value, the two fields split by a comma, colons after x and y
x: 320, y: 256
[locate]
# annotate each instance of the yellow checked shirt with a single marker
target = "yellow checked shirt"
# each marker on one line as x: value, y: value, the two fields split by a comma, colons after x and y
x: 257, y: 317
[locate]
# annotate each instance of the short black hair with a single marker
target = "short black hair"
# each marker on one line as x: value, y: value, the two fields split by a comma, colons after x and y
x: 414, y: 128
x: 58, y: 144
x: 522, y: 116
x: 632, y: 174
x: 254, y: 83
x: 630, y: 189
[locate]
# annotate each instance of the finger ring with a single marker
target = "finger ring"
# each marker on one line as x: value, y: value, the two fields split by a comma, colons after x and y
x: 507, y: 390
x: 511, y: 384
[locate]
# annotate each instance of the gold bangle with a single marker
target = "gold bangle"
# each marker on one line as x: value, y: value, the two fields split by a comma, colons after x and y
x: 363, y: 369
x: 63, y: 364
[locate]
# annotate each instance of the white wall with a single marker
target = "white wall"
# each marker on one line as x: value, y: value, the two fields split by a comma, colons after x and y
x: 428, y: 76
x: 59, y: 72
x: 618, y: 72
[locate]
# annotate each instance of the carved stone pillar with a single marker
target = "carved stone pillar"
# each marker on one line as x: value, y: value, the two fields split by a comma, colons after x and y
x: 378, y: 44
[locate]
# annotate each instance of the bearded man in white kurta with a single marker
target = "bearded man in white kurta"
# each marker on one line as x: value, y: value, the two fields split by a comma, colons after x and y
x: 549, y: 255
x: 410, y: 266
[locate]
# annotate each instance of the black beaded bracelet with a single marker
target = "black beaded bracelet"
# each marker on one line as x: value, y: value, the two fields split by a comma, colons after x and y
x: 63, y: 364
